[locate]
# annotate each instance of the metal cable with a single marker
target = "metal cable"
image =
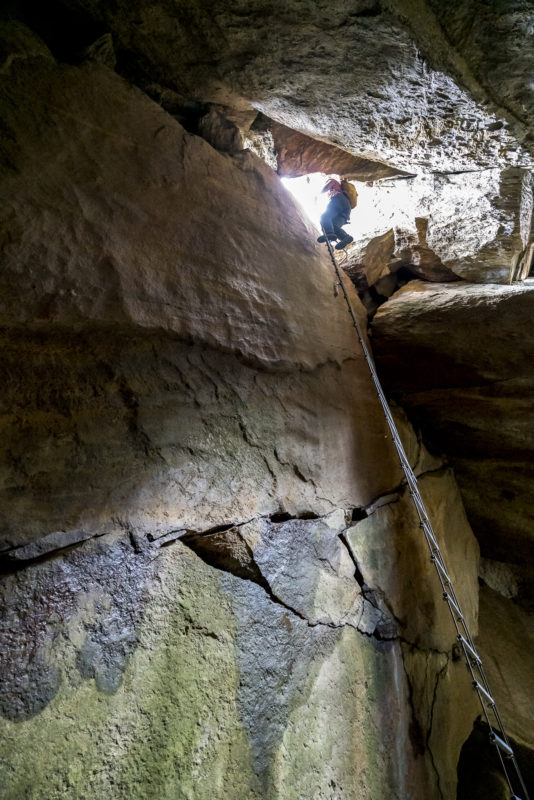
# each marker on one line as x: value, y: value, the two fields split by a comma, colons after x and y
x: 497, y: 734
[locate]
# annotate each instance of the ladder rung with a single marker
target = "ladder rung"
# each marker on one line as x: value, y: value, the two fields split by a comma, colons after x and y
x: 470, y: 653
x: 501, y: 744
x: 449, y: 600
x: 441, y: 569
x: 429, y: 532
x: 474, y: 655
x: 489, y: 698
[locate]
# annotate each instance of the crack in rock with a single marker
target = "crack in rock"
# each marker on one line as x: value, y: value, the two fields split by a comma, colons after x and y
x: 228, y: 551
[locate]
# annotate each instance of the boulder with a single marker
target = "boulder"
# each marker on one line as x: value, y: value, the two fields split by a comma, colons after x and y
x: 474, y: 226
x: 371, y: 260
x: 458, y: 359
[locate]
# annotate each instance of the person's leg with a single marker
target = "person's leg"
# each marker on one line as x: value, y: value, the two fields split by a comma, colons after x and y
x: 344, y: 237
x: 337, y: 222
x: 327, y: 226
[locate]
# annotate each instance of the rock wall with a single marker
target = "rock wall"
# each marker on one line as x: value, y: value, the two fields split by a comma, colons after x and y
x: 355, y: 74
x: 459, y: 358
x: 201, y: 508
x: 475, y: 226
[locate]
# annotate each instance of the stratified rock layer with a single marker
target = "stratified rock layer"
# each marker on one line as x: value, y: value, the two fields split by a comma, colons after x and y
x: 176, y: 367
x: 459, y: 357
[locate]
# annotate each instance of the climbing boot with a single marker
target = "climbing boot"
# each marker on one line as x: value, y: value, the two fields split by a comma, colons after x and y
x: 344, y: 242
x: 332, y: 237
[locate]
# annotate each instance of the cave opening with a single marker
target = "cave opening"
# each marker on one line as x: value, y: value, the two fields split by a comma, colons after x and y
x: 389, y: 228
x: 381, y: 203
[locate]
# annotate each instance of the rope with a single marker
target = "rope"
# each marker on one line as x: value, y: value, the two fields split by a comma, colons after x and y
x: 497, y: 734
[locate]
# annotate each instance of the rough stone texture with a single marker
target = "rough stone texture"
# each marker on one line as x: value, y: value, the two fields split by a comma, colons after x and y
x: 496, y: 50
x: 176, y: 367
x: 476, y: 226
x: 393, y: 557
x: 468, y: 381
x: 182, y: 721
x: 168, y: 436
x: 394, y: 563
x: 259, y: 139
x: 504, y: 624
x: 102, y: 648
x: 350, y: 74
x: 154, y: 269
x: 301, y: 155
x: 220, y: 132
x: 288, y: 152
x: 371, y: 259
x: 157, y: 386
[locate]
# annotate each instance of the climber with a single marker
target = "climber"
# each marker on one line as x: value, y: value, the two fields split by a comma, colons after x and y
x: 337, y: 214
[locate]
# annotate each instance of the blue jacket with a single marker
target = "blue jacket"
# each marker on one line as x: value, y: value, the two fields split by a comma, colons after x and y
x: 339, y: 205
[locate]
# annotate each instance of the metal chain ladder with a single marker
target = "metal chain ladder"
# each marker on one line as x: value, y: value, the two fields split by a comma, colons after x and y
x: 497, y: 735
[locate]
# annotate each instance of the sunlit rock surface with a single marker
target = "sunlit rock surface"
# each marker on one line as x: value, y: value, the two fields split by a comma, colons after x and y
x: 353, y: 74
x: 300, y: 155
x: 473, y: 226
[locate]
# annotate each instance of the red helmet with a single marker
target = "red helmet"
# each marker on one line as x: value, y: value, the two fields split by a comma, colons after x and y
x: 331, y: 186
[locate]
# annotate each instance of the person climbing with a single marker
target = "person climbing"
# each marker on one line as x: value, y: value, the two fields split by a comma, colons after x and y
x: 337, y: 212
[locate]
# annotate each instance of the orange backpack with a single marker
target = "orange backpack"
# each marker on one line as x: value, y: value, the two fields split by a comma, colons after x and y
x: 349, y: 189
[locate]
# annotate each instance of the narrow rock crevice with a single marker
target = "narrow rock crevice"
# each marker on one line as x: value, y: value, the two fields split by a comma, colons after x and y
x: 420, y: 739
x: 229, y: 552
x: 440, y: 674
x: 234, y: 555
x: 357, y: 571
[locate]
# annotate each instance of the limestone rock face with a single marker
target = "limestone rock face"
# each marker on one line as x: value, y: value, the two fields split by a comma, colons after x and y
x: 351, y: 74
x: 467, y: 378
x: 475, y: 226
x: 300, y: 155
x: 188, y: 432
